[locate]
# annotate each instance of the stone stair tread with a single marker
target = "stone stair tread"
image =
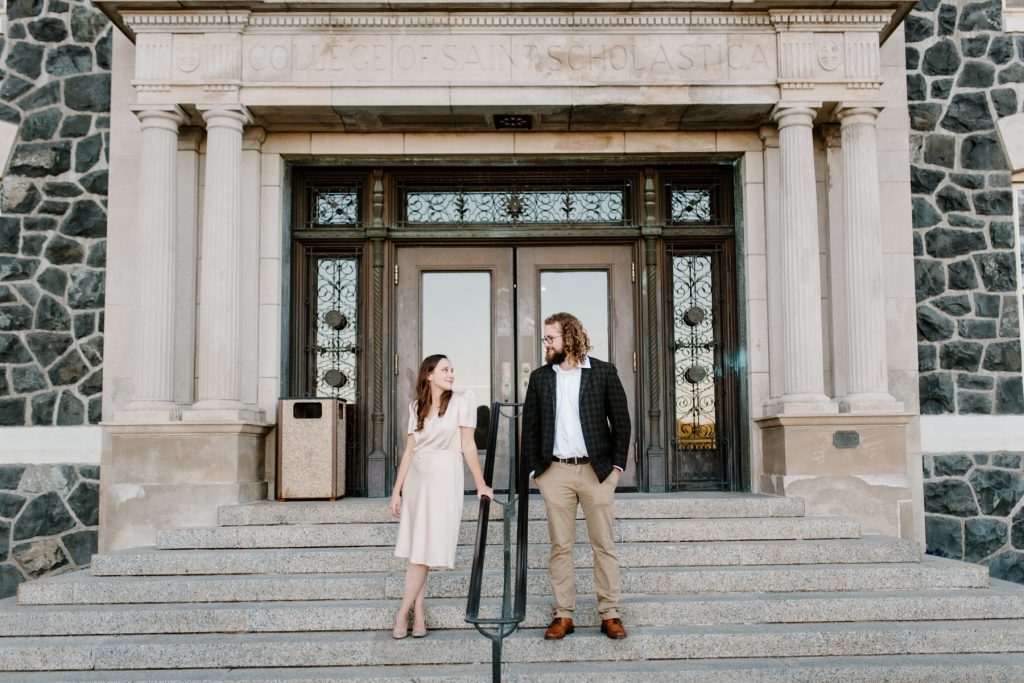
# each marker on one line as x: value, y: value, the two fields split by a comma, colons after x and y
x: 79, y: 587
x: 166, y: 562
x: 863, y: 669
x: 627, y: 530
x: 448, y: 613
x: 627, y: 506
x: 378, y: 648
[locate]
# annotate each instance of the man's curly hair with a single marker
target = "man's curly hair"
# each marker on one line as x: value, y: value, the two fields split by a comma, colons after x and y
x: 575, y: 341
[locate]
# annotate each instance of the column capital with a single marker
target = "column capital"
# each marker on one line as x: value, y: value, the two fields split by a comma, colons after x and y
x: 769, y: 136
x: 235, y: 116
x: 253, y: 137
x: 167, y: 116
x: 856, y: 112
x: 795, y: 114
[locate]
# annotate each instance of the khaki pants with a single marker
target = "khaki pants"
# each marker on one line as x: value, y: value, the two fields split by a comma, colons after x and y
x: 563, y: 486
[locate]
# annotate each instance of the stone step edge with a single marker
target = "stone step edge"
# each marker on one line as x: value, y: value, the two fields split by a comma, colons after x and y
x: 851, y: 669
x: 107, y: 564
x: 540, y: 522
x: 777, y: 507
x: 448, y: 635
x: 81, y: 587
x: 339, y: 649
x: 931, y: 561
x: 637, y: 531
x: 448, y: 613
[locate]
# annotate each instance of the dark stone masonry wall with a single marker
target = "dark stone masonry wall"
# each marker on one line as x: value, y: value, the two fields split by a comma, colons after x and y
x: 48, y: 521
x: 55, y: 74
x: 963, y: 74
x: 974, y: 510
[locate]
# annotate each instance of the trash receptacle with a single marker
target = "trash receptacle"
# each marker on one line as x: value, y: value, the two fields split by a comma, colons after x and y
x: 310, y: 448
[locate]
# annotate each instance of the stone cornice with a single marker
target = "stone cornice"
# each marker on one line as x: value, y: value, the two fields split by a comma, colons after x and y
x: 141, y: 22
x: 375, y: 23
x: 830, y: 20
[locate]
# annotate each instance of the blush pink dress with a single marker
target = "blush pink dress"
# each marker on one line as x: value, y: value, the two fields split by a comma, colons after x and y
x: 428, y: 529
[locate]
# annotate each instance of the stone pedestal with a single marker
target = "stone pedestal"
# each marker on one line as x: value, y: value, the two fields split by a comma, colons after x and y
x: 160, y: 476
x: 842, y: 464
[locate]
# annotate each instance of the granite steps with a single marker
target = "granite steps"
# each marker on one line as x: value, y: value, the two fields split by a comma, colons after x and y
x: 720, y: 587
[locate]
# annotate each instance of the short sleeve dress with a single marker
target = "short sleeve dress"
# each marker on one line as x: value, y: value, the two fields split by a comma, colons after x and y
x: 432, y: 494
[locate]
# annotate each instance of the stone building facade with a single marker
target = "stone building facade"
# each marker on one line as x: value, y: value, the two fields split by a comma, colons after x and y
x: 965, y: 73
x: 55, y: 119
x: 178, y: 92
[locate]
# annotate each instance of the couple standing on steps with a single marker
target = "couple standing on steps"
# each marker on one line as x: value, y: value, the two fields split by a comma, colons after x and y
x: 575, y: 438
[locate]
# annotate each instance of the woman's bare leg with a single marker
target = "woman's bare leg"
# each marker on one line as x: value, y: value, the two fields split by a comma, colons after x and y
x: 419, y: 620
x: 415, y: 583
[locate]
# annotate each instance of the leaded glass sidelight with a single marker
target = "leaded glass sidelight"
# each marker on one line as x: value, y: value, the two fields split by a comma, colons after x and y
x: 697, y: 441
x: 333, y: 206
x: 336, y: 349
x: 569, y: 206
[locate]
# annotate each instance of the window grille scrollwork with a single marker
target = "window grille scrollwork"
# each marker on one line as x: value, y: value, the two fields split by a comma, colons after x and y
x: 698, y: 443
x: 516, y: 207
x: 333, y: 206
x: 336, y: 347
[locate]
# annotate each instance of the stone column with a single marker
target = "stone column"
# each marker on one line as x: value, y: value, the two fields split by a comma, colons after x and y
x: 863, y: 287
x: 156, y: 264
x: 803, y: 370
x: 218, y: 386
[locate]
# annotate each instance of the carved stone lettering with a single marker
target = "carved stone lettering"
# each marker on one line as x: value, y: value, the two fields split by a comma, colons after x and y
x: 508, y: 59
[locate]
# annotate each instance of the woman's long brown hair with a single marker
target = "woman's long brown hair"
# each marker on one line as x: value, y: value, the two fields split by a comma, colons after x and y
x: 423, y: 390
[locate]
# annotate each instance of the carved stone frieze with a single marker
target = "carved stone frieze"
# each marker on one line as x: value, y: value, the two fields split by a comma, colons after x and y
x: 229, y: 50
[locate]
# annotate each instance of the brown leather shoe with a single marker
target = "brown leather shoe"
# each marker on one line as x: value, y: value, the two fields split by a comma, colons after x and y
x: 559, y: 628
x: 613, y: 628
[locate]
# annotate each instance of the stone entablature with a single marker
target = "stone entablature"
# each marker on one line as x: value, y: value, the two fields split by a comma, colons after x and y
x: 677, y: 58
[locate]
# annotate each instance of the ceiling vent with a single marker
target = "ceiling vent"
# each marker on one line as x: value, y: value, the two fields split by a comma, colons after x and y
x: 513, y: 122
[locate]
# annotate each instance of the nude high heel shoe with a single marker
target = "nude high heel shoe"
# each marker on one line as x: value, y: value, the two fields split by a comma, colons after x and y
x: 423, y: 633
x: 401, y: 630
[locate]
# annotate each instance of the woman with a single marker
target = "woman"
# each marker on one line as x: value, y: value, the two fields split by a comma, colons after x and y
x: 428, y: 489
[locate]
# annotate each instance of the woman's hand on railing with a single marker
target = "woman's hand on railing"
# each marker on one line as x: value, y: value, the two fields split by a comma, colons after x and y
x: 396, y: 503
x: 483, y: 490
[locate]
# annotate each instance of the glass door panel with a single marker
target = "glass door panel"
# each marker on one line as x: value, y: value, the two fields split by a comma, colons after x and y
x: 584, y: 293
x: 456, y: 312
x: 594, y: 283
x: 457, y: 302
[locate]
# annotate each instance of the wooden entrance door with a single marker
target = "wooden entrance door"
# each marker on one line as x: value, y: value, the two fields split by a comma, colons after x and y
x: 484, y: 308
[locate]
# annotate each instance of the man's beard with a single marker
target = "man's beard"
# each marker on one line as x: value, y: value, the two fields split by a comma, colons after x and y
x: 554, y: 357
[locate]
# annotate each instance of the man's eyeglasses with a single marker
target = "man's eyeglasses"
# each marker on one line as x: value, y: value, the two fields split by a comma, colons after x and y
x: 549, y: 340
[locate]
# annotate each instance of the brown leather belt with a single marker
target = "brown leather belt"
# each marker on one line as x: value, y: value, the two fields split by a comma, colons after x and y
x: 575, y: 461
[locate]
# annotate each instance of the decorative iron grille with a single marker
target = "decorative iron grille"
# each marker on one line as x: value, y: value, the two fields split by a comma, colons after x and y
x: 516, y: 207
x: 698, y: 441
x: 331, y: 206
x: 336, y: 328
x: 693, y: 204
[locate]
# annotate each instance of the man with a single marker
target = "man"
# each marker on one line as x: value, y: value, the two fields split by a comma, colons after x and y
x: 576, y: 438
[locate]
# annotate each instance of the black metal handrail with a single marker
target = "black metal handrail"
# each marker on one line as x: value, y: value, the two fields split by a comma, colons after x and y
x: 514, y: 508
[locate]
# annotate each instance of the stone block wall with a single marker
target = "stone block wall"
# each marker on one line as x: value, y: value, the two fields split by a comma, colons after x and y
x: 963, y: 73
x: 974, y: 509
x: 48, y: 521
x: 55, y: 73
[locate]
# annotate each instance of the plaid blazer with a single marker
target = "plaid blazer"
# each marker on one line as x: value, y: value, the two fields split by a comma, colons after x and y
x: 604, y: 416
